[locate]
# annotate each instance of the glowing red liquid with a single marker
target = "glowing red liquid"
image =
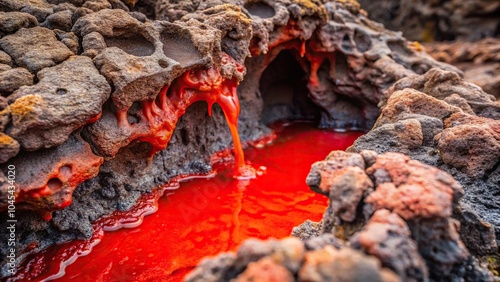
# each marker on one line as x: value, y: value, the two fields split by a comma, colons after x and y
x: 202, y: 218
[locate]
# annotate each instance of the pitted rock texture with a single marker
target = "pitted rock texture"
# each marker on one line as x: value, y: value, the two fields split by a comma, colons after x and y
x: 477, y: 140
x: 480, y: 61
x: 459, y: 125
x: 291, y: 260
x: 103, y: 71
x: 43, y: 115
x: 404, y: 219
x: 437, y: 20
x: 35, y: 48
x: 387, y: 232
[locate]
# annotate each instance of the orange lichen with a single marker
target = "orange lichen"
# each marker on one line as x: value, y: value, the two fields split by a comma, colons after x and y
x: 416, y: 46
x: 5, y: 139
x: 314, y: 7
x: 24, y: 106
x: 161, y: 115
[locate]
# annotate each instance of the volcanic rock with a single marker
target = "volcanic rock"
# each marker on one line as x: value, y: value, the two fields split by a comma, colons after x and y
x: 128, y: 78
x: 268, y: 260
x: 442, y: 84
x: 13, y: 79
x: 385, y: 233
x: 405, y: 220
x: 457, y: 141
x: 470, y: 143
x: 480, y: 61
x: 35, y: 48
x: 265, y: 269
x: 8, y: 147
x: 11, y: 22
x: 52, y: 175
x: 5, y: 59
x: 445, y: 20
x: 43, y: 115
x: 345, y: 264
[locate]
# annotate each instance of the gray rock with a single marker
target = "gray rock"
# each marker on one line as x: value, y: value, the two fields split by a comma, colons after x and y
x: 61, y: 20
x: 13, y: 79
x: 69, y: 39
x: 26, y: 48
x: 66, y: 97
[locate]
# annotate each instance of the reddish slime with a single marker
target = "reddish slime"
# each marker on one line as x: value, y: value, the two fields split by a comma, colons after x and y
x: 160, y: 115
x: 204, y: 217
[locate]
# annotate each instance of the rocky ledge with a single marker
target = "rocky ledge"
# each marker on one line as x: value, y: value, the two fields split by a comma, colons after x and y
x: 93, y: 91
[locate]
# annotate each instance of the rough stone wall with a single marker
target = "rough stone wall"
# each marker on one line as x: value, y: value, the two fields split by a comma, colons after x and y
x: 83, y: 80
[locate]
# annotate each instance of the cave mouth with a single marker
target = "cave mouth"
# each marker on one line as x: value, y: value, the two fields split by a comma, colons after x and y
x: 283, y: 88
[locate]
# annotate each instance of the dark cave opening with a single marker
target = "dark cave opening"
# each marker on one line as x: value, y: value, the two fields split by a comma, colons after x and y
x: 283, y: 88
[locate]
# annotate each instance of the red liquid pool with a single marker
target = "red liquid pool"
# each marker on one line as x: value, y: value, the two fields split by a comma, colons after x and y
x: 204, y: 217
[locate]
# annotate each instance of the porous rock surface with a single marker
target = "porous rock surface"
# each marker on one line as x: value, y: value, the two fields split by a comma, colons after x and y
x: 457, y: 130
x: 93, y: 91
x: 292, y: 260
x: 430, y: 211
x: 405, y: 218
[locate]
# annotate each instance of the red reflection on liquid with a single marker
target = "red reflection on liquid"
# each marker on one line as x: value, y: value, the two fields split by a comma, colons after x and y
x: 204, y: 217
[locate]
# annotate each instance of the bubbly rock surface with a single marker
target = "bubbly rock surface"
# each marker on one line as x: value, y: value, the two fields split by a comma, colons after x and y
x: 408, y: 219
x: 94, y: 91
x: 459, y: 125
x: 291, y: 260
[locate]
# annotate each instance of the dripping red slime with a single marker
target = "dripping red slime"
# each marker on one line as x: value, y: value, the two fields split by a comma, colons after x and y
x: 159, y: 117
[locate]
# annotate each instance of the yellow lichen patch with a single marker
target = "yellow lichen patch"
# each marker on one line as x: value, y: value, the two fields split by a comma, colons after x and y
x: 6, y: 139
x: 312, y: 7
x: 25, y: 106
x: 416, y: 46
x: 240, y: 15
x: 492, y: 263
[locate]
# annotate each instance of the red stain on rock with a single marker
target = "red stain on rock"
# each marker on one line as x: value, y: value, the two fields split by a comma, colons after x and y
x: 50, y: 183
x: 51, y: 186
